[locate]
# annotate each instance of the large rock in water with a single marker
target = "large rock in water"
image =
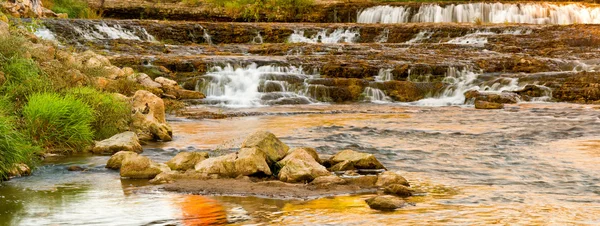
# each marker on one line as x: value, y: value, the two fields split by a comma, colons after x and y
x: 247, y: 162
x: 398, y: 190
x: 127, y: 141
x: 186, y: 160
x: 388, y: 178
x: 311, y: 151
x: 116, y: 160
x: 386, y: 203
x: 148, y: 119
x: 267, y: 142
x: 141, y: 167
x: 300, y: 166
x: 352, y: 159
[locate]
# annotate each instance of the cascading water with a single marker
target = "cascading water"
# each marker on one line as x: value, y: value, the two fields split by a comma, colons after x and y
x: 375, y: 95
x: 460, y: 81
x: 531, y: 13
x: 45, y: 33
x: 253, y: 85
x: 422, y: 35
x: 476, y: 39
x: 340, y: 35
x: 384, y: 75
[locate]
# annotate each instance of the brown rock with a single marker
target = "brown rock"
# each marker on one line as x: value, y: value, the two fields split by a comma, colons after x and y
x: 398, y: 190
x: 479, y: 104
x: 388, y: 178
x: 267, y: 142
x: 127, y: 141
x: 362, y: 181
x: 148, y: 119
x: 385, y: 203
x: 328, y: 180
x: 247, y: 162
x: 116, y: 160
x: 186, y: 160
x: 300, y: 166
x: 141, y: 167
x: 358, y: 160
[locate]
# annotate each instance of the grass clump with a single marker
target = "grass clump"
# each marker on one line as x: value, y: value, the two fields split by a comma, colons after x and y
x: 111, y: 114
x: 23, y: 77
x: 73, y: 8
x: 14, y: 148
x: 58, y: 122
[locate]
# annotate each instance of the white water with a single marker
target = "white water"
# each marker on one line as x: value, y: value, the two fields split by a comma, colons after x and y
x: 531, y: 13
x: 384, y: 75
x: 258, y: 39
x: 476, y: 39
x: 103, y: 31
x: 207, y: 37
x: 375, y: 95
x: 46, y: 34
x: 239, y: 87
x: 460, y: 81
x: 340, y: 35
x: 422, y: 35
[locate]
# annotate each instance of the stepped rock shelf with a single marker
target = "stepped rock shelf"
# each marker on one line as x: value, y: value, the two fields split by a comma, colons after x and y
x: 300, y: 63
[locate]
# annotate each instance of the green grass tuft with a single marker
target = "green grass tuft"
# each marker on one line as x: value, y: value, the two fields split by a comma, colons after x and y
x: 58, y: 122
x: 112, y: 115
x: 14, y: 148
x: 23, y: 77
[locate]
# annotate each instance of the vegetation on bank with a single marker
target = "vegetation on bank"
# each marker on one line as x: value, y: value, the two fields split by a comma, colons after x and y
x: 50, y: 102
x: 73, y: 8
x: 260, y: 10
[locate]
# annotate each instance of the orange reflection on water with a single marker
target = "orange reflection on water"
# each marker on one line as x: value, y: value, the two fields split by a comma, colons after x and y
x: 199, y: 210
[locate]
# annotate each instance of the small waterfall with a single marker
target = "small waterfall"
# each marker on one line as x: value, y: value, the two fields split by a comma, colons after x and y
x: 531, y: 13
x: 384, y: 75
x: 254, y: 86
x: 375, y: 95
x: 340, y: 35
x: 207, y: 37
x: 258, y: 39
x: 45, y: 33
x: 383, y: 37
x: 460, y: 81
x: 422, y: 35
x: 476, y: 39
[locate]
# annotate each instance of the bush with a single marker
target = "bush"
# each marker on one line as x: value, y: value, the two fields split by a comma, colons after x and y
x: 58, y: 122
x: 74, y: 8
x: 13, y: 147
x: 112, y: 115
x: 23, y: 77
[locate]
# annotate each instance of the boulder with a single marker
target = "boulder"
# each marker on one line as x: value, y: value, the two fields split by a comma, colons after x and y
x: 251, y: 162
x: 141, y: 167
x: 148, y: 119
x: 90, y: 59
x: 114, y: 72
x: 502, y: 98
x: 300, y: 166
x: 146, y: 81
x: 186, y: 160
x: 127, y: 141
x: 116, y: 160
x: 311, y: 151
x: 530, y: 91
x: 328, y: 180
x: 19, y: 170
x: 23, y: 8
x: 480, y: 104
x: 385, y: 203
x: 247, y: 162
x: 398, y: 190
x: 267, y: 142
x: 343, y: 166
x: 367, y: 181
x: 357, y: 160
x: 171, y: 88
x: 388, y: 178
x: 222, y: 166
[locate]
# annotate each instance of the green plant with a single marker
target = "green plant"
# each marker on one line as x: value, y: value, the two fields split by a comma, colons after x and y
x: 14, y: 148
x: 257, y: 10
x: 111, y: 114
x: 11, y: 46
x: 22, y: 79
x: 58, y: 122
x: 74, y: 8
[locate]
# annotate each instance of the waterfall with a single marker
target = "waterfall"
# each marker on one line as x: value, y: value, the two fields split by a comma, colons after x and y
x: 252, y: 85
x: 376, y: 95
x: 476, y: 39
x: 422, y: 35
x: 45, y: 33
x: 384, y: 75
x: 531, y: 13
x: 340, y: 35
x: 460, y: 81
x: 207, y: 37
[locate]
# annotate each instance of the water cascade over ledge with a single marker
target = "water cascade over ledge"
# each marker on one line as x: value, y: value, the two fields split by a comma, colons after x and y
x: 530, y: 13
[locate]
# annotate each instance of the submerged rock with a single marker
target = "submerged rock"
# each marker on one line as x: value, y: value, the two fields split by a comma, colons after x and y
x: 386, y: 203
x: 355, y: 159
x: 267, y: 142
x: 186, y: 160
x: 75, y: 168
x: 141, y: 167
x: 530, y: 91
x: 300, y: 166
x: 480, y: 104
x: 148, y: 119
x: 116, y: 160
x: 127, y: 141
x: 389, y: 178
x: 398, y: 190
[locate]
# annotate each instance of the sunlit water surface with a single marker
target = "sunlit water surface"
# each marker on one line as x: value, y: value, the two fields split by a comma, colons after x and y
x: 527, y: 164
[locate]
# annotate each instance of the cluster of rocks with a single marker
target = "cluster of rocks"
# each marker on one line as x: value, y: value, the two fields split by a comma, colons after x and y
x: 28, y: 8
x: 489, y: 100
x: 262, y: 155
